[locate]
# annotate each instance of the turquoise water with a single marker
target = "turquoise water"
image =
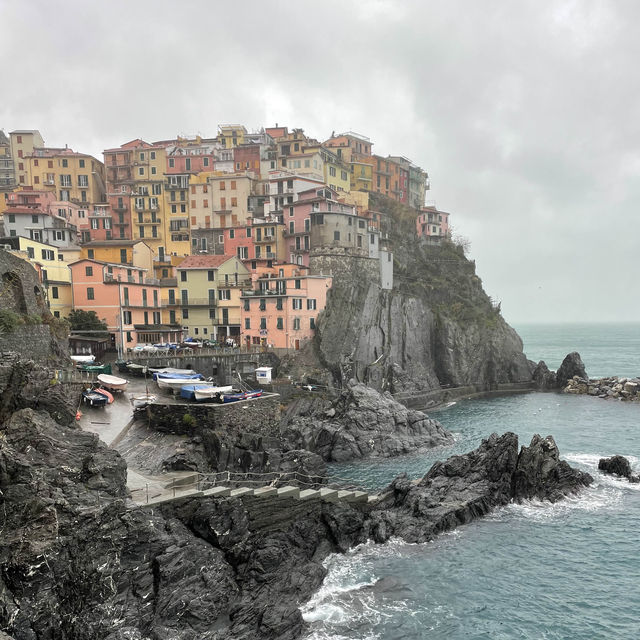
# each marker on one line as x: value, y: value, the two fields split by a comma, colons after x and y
x: 606, y: 350
x: 570, y: 570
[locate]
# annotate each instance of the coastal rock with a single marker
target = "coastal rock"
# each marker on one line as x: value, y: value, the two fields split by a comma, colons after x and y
x: 616, y: 465
x: 543, y: 378
x: 541, y: 474
x: 571, y: 366
x: 359, y: 423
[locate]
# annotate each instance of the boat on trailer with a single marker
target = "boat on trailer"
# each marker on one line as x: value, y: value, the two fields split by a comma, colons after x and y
x: 210, y: 393
x: 188, y: 391
x: 113, y: 383
x: 176, y: 383
x: 94, y: 399
x: 103, y: 392
x: 169, y: 372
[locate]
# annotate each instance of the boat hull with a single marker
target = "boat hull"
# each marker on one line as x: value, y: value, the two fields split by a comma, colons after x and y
x: 94, y: 399
x: 113, y: 383
x: 210, y: 393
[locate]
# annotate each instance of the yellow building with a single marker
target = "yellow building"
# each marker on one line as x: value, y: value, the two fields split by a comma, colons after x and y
x: 75, y: 177
x: 336, y: 172
x: 231, y: 135
x: 176, y: 220
x: 147, y: 202
x: 210, y: 288
x: 135, y: 253
x: 52, y: 269
x: 23, y: 143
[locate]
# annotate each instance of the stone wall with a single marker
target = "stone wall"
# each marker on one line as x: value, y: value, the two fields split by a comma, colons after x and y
x: 20, y: 289
x: 340, y: 263
x: 35, y: 342
x: 260, y: 416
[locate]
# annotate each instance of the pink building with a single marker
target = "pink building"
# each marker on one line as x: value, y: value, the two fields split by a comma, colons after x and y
x: 124, y: 298
x: 432, y: 224
x: 297, y: 220
x: 283, y: 307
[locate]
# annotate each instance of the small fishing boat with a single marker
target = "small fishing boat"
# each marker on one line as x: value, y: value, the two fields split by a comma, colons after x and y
x: 95, y: 368
x: 169, y: 371
x: 241, y: 395
x: 83, y: 359
x: 93, y: 399
x: 210, y: 393
x: 187, y: 391
x: 122, y: 365
x: 142, y: 400
x: 105, y: 393
x: 176, y: 383
x: 113, y: 383
x: 136, y: 369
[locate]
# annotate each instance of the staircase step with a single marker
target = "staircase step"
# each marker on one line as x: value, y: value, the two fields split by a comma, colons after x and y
x: 360, y: 496
x: 288, y: 492
x: 373, y: 499
x: 329, y: 495
x: 308, y: 494
x: 240, y: 491
x: 265, y: 492
x: 345, y: 496
x: 217, y: 492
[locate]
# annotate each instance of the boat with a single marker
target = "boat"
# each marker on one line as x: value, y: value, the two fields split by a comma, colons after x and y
x: 95, y: 368
x: 242, y: 395
x: 176, y: 383
x: 83, y: 359
x: 122, y: 365
x: 105, y: 393
x: 187, y: 391
x: 210, y: 393
x: 169, y: 371
x: 93, y: 399
x: 112, y: 383
x: 142, y: 400
x: 136, y: 369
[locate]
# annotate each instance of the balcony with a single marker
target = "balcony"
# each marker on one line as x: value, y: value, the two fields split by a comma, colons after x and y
x: 198, y: 302
x: 151, y: 221
x: 168, y: 282
x: 120, y: 209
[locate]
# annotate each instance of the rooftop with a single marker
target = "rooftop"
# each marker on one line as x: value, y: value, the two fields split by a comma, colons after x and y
x: 203, y: 262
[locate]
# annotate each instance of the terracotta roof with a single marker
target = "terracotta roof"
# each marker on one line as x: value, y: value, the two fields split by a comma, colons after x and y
x: 203, y: 262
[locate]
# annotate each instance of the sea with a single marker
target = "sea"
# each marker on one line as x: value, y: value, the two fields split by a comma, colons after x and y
x: 530, y: 571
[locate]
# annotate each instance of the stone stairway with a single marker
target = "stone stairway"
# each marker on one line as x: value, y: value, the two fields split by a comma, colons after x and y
x: 181, y: 491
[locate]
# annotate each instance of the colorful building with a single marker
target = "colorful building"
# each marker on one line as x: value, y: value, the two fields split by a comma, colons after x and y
x: 125, y: 300
x: 210, y: 288
x: 74, y: 177
x: 356, y: 151
x: 130, y: 253
x: 231, y: 135
x: 432, y: 224
x: 230, y: 198
x: 7, y: 170
x: 23, y: 142
x: 281, y: 310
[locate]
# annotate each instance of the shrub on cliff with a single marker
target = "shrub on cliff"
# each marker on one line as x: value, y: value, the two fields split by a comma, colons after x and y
x: 9, y: 321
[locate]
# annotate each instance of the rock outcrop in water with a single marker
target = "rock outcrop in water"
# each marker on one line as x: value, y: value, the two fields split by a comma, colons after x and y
x: 359, y: 423
x: 571, y: 367
x: 614, y: 388
x: 618, y: 466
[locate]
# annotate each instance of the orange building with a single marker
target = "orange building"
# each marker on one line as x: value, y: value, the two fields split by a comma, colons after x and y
x: 282, y: 308
x: 125, y: 299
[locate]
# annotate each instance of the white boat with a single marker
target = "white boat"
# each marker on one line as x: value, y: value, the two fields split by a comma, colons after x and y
x: 112, y: 382
x: 83, y: 359
x: 176, y: 383
x: 142, y: 400
x: 208, y: 393
x: 170, y: 371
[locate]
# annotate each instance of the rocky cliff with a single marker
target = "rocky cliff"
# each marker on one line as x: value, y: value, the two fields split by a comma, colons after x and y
x: 436, y: 327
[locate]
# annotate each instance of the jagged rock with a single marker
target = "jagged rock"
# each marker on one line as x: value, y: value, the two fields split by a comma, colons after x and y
x: 541, y: 474
x: 616, y: 465
x: 543, y: 378
x: 571, y: 366
x: 363, y: 423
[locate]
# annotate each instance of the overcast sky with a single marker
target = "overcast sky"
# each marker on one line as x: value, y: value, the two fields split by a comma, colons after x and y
x: 525, y: 114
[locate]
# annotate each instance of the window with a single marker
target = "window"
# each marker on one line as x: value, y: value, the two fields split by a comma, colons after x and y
x: 83, y: 181
x: 297, y: 284
x: 279, y: 304
x: 297, y: 303
x: 312, y: 323
x: 34, y: 219
x: 247, y: 323
x: 211, y: 274
x: 336, y: 235
x: 185, y: 314
x: 279, y: 323
x: 90, y: 293
x: 31, y: 252
x: 243, y: 253
x: 54, y: 292
x: 126, y: 317
x: 263, y: 323
x: 19, y: 138
x: 156, y: 189
x: 56, y: 314
x: 94, y: 223
x: 172, y: 163
x: 183, y: 208
x: 183, y: 276
x: 332, y: 171
x: 12, y: 217
x: 232, y: 233
x: 65, y: 163
x: 263, y: 304
x: 123, y: 255
x: 153, y: 171
x: 296, y: 324
x: 248, y: 232
x: 224, y: 294
x: 292, y: 226
x: 90, y: 253
x: 233, y: 185
x: 88, y: 271
x: 222, y: 186
x: 311, y: 304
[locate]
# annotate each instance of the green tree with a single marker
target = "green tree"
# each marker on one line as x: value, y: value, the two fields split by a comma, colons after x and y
x: 81, y: 320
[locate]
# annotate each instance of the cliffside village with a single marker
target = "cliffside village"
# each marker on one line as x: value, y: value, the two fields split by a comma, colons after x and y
x: 233, y: 239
